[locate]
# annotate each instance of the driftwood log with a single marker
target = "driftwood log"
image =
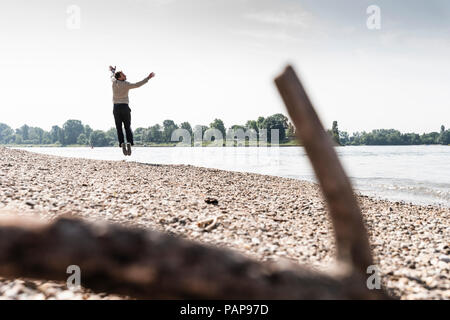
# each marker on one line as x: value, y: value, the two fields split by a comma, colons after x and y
x: 351, y: 236
x: 148, y: 264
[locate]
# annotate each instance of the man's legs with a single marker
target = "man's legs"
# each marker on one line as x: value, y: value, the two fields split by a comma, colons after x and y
x: 127, y: 124
x: 118, y: 120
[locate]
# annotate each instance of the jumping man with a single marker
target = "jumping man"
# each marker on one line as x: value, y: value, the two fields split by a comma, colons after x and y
x: 122, y: 112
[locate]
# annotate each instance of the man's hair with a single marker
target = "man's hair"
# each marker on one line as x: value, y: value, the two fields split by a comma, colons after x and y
x: 117, y: 75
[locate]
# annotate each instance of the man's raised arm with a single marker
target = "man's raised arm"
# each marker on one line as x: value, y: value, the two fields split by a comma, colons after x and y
x: 113, y: 71
x: 140, y: 83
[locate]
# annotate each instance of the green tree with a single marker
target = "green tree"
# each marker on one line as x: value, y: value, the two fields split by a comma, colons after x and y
x: 23, y: 131
x: 290, y: 132
x: 87, y: 131
x: 111, y: 136
x: 155, y: 134
x: 251, y: 125
x: 82, y: 139
x: 355, y: 139
x: 199, y: 132
x: 335, y: 133
x: 260, y: 122
x: 168, y: 127
x: 72, y: 129
x: 98, y: 139
x: 275, y: 122
x: 237, y: 127
x: 186, y: 126
x: 441, y: 135
x: 6, y: 134
x: 411, y: 139
x: 391, y: 137
x: 344, y: 138
x: 46, y: 139
x: 35, y: 135
x: 18, y: 139
x: 57, y: 135
x: 446, y: 137
x: 219, y: 125
x: 430, y: 138
x: 138, y: 135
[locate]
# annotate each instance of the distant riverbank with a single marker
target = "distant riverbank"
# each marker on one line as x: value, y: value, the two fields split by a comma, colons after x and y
x: 290, y: 143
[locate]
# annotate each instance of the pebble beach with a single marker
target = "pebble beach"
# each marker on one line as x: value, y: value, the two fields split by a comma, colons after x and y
x: 264, y: 217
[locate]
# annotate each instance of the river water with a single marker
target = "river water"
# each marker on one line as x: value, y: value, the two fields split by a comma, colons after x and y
x: 416, y: 174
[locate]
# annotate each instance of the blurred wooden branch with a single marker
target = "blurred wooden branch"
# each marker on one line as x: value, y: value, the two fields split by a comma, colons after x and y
x: 351, y: 236
x: 149, y: 264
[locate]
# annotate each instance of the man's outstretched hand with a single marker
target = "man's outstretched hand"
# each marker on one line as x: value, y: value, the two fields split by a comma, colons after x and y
x: 151, y: 75
x: 112, y: 69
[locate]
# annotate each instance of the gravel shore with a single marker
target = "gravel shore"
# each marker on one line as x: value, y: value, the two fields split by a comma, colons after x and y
x: 264, y: 217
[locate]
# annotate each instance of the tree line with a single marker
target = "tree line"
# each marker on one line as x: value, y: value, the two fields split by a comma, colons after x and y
x: 382, y: 137
x: 74, y: 132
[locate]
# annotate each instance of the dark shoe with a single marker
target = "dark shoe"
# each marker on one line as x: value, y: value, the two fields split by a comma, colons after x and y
x: 124, y: 149
x: 129, y: 149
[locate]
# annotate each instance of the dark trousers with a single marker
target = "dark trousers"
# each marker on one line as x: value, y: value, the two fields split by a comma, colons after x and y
x: 122, y: 115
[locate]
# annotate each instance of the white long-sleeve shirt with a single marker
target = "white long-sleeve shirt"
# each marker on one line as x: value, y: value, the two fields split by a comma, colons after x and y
x: 120, y: 89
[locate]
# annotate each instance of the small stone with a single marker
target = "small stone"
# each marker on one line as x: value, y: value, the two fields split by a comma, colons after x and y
x: 212, y: 201
x: 444, y: 257
x: 255, y: 241
x: 65, y: 295
x: 13, y: 292
x: 30, y: 203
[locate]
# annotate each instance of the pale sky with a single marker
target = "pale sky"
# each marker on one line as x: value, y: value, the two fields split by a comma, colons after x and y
x: 218, y: 58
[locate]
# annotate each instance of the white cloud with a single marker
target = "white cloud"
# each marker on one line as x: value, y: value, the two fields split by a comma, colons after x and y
x: 164, y: 2
x: 390, y: 38
x: 285, y: 23
x: 268, y: 35
x: 301, y: 18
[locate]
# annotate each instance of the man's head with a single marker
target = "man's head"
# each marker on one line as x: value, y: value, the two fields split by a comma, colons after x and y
x: 120, y: 76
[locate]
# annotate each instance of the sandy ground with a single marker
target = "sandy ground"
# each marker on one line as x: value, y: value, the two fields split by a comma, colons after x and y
x: 264, y: 217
